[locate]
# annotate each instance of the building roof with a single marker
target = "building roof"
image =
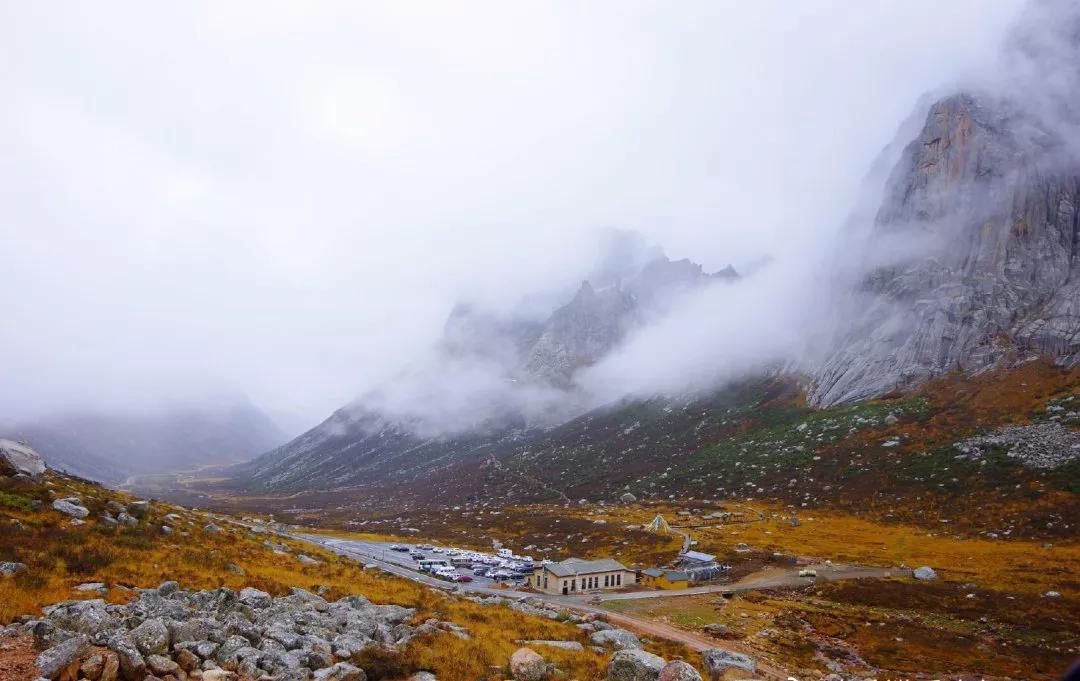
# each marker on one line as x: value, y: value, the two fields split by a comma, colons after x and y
x: 576, y: 566
x: 670, y: 575
x: 698, y: 556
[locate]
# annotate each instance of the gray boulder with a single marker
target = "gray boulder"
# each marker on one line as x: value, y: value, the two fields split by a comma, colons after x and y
x: 11, y: 568
x: 53, y: 661
x: 139, y: 508
x: 151, y: 637
x: 678, y: 670
x: 17, y: 458
x: 925, y: 572
x: 132, y: 663
x: 255, y: 598
x: 528, y: 665
x: 342, y: 671
x: 160, y: 665
x: 718, y: 660
x: 307, y: 560
x: 422, y: 676
x: 635, y: 665
x: 620, y: 639
x: 72, y: 507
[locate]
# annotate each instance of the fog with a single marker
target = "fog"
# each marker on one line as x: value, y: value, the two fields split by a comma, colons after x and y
x: 284, y: 202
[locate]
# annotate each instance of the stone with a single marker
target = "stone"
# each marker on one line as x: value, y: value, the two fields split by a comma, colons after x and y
x: 151, y: 637
x: 19, y: 458
x: 186, y: 659
x: 717, y: 660
x: 52, y: 662
x: 111, y: 668
x: 307, y: 560
x: 139, y: 508
x: 165, y: 529
x: 168, y: 588
x: 218, y: 675
x: 620, y: 639
x: 565, y: 645
x: 255, y: 598
x: 678, y: 670
x: 160, y: 665
x: 235, y: 569
x: 925, y: 572
x: 72, y: 507
x: 528, y: 665
x: 96, y: 587
x: 627, y: 498
x: 342, y: 671
x: 92, y: 667
x: 212, y: 528
x: 422, y: 676
x: 11, y: 568
x: 635, y: 665
x: 132, y: 663
x: 127, y: 520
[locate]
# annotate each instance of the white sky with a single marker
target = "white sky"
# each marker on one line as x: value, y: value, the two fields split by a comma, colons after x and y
x: 284, y: 200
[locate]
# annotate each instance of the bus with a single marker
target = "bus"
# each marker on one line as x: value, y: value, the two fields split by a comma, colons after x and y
x: 429, y: 564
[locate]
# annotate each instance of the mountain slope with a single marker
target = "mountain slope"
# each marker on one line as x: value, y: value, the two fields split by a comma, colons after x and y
x: 111, y: 447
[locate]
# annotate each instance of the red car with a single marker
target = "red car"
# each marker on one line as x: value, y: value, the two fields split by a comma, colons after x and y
x: 463, y: 578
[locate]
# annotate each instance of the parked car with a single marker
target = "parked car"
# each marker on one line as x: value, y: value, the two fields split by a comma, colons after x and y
x: 417, y: 556
x: 397, y: 547
x: 463, y: 578
x: 480, y: 572
x: 808, y: 573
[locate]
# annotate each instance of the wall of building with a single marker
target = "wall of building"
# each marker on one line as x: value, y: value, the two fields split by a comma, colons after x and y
x: 616, y: 579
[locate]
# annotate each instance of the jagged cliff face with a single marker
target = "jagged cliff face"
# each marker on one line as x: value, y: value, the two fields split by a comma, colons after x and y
x: 986, y: 201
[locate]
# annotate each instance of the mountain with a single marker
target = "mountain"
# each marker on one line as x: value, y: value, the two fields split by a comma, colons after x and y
x: 111, y: 447
x: 984, y: 206
x: 492, y: 376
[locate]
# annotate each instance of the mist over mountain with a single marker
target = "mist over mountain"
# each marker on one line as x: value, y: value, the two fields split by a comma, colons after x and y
x: 111, y: 447
x: 960, y: 255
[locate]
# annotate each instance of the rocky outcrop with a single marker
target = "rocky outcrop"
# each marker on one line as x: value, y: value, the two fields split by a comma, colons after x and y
x: 528, y: 665
x: 975, y: 250
x: 635, y: 665
x: 717, y: 661
x: 1039, y: 445
x: 18, y: 458
x: 171, y: 632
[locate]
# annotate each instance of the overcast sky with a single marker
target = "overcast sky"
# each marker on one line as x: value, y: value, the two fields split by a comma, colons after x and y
x: 283, y: 200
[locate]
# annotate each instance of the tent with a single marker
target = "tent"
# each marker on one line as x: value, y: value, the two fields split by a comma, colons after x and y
x: 659, y: 525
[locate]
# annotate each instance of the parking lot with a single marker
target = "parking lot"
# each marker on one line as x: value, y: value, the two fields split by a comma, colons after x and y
x: 383, y: 551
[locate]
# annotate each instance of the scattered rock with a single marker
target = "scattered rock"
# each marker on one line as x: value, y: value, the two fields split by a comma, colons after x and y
x: 11, y: 568
x: 307, y: 560
x: 97, y: 587
x: 925, y: 572
x: 139, y: 508
x: 565, y: 645
x: 1039, y: 445
x: 718, y: 660
x: 422, y: 676
x: 627, y: 498
x: 679, y: 671
x: 72, y: 507
x: 55, y: 660
x: 151, y: 637
x: 213, y: 529
x: 342, y: 671
x: 18, y: 458
x: 635, y: 665
x: 92, y: 667
x: 527, y: 665
x: 615, y: 638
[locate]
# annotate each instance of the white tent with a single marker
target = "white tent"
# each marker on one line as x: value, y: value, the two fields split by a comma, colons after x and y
x: 659, y: 525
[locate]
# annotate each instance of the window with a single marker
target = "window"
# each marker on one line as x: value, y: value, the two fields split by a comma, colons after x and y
x: 605, y: 580
x: 545, y: 581
x: 618, y: 580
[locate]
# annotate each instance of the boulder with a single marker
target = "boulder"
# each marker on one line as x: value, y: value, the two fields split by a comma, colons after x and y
x: 527, y: 665
x: 168, y: 588
x: 627, y: 498
x: 422, y: 676
x: 925, y: 572
x: 111, y: 668
x: 718, y: 660
x: 11, y: 568
x: 151, y: 637
x: 160, y: 665
x: 307, y: 560
x: 212, y: 528
x: 92, y: 667
x: 139, y: 508
x: 132, y: 663
x: 127, y: 520
x: 55, y: 660
x: 635, y: 665
x: 18, y: 458
x: 72, y: 507
x: 342, y: 671
x: 620, y: 639
x: 96, y: 587
x: 565, y: 645
x: 255, y: 598
x: 678, y: 670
